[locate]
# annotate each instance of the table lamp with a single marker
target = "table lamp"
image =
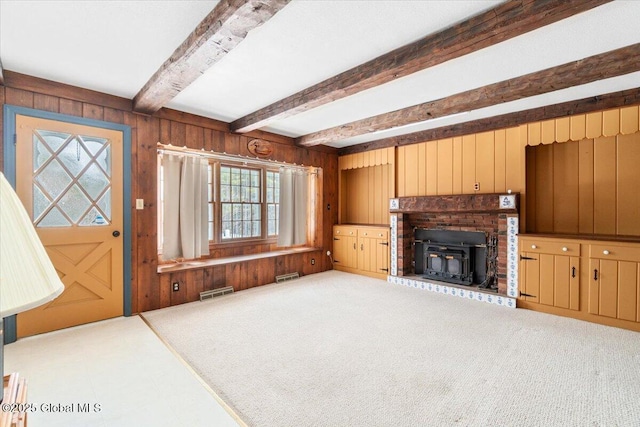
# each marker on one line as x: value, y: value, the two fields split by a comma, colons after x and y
x: 27, y: 276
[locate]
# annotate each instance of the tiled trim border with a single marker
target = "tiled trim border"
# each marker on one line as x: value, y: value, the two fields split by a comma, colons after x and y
x: 456, y: 292
x: 512, y: 256
x: 394, y: 244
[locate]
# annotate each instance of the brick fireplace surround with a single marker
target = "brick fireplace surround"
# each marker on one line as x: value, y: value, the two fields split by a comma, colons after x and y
x: 467, y: 212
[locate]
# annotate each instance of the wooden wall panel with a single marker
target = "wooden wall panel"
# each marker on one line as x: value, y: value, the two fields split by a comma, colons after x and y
x: 445, y: 167
x: 411, y: 161
x: 149, y: 289
x: 610, y: 122
x: 628, y: 194
x: 565, y: 188
x: 485, y: 162
x: 594, y: 125
x: 563, y: 129
x: 432, y: 169
x: 585, y: 186
x: 422, y: 167
x: 468, y: 164
x: 500, y: 159
x: 457, y: 166
x: 548, y: 132
x: 578, y: 127
x: 629, y: 117
x: 514, y: 152
x: 544, y: 189
x: 532, y: 191
x: 604, y: 172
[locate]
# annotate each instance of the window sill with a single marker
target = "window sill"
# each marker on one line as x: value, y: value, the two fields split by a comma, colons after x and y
x: 212, y: 262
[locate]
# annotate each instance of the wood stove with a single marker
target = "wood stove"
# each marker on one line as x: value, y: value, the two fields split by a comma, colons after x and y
x: 451, y: 256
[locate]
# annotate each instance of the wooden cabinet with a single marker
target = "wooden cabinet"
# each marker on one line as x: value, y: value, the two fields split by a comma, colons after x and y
x: 592, y: 280
x: 361, y: 250
x: 614, y: 281
x: 550, y: 272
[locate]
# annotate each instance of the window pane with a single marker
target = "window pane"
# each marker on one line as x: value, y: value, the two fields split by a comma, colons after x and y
x: 225, y: 176
x: 225, y: 193
x: 237, y: 211
x: 256, y: 211
x: 255, y: 195
x: 226, y: 212
x: 246, y: 212
x: 235, y: 194
x: 256, y: 228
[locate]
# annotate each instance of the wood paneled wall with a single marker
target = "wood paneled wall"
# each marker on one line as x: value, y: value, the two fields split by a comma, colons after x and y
x: 454, y: 165
x: 367, y: 181
x: 168, y: 126
x: 593, y: 176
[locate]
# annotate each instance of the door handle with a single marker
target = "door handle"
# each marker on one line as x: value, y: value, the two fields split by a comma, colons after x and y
x: 115, y: 233
x: 595, y: 274
x: 354, y: 246
x: 573, y: 272
x: 362, y: 246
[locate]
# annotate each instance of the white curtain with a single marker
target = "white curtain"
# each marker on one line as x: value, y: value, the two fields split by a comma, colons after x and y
x: 185, y: 225
x: 294, y: 196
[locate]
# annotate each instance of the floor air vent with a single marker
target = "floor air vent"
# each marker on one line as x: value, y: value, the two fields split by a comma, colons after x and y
x: 215, y: 293
x: 285, y: 277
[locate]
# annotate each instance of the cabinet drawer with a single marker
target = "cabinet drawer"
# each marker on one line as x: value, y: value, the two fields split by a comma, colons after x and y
x: 345, y: 231
x: 615, y: 252
x: 553, y: 247
x: 377, y: 233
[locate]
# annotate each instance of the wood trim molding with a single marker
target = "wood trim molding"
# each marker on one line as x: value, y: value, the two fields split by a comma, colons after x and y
x: 1, y: 73
x: 565, y: 109
x: 594, y: 68
x: 219, y: 32
x: 501, y: 23
x: 61, y: 90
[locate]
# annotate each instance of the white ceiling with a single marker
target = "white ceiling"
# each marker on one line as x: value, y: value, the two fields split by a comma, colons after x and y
x: 116, y: 46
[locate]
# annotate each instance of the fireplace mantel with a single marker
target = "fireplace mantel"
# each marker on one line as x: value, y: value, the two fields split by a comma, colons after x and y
x: 479, y: 203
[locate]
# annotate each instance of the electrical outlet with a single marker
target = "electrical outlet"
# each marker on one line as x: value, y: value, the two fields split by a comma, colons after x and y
x: 313, y: 261
x: 328, y: 253
x: 476, y: 186
x: 176, y: 286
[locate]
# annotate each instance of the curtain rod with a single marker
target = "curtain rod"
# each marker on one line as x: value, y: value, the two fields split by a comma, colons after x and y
x: 232, y: 157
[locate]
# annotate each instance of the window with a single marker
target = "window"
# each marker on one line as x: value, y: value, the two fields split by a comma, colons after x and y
x: 240, y: 196
x: 243, y: 199
x: 273, y: 203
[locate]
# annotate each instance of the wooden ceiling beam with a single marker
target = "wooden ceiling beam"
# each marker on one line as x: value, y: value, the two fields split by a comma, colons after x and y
x: 565, y: 109
x: 501, y: 23
x: 594, y: 68
x: 218, y: 33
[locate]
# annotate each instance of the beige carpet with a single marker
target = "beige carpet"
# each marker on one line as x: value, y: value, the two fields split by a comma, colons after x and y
x: 336, y: 349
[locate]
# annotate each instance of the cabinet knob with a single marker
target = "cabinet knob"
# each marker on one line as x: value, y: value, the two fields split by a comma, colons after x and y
x: 605, y: 252
x: 365, y: 234
x: 533, y: 246
x: 338, y: 232
x: 351, y: 232
x: 564, y: 249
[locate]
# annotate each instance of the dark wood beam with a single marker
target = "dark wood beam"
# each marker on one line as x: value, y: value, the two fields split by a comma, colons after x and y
x: 501, y: 23
x: 1, y: 74
x: 565, y: 109
x: 218, y: 33
x: 597, y: 67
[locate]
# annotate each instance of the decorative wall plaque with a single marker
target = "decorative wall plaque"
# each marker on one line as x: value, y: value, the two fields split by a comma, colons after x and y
x: 260, y: 148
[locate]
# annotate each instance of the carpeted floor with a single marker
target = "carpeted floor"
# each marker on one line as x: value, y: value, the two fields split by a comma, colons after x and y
x: 337, y: 349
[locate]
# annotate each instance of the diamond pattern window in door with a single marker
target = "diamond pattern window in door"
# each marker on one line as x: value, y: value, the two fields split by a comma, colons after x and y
x: 71, y: 180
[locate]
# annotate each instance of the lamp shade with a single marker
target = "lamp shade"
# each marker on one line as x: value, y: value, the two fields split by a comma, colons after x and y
x: 27, y: 276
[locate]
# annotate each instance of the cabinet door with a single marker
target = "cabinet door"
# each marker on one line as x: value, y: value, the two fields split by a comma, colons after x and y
x: 367, y: 253
x: 344, y: 251
x: 613, y: 289
x: 382, y: 256
x: 551, y: 279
